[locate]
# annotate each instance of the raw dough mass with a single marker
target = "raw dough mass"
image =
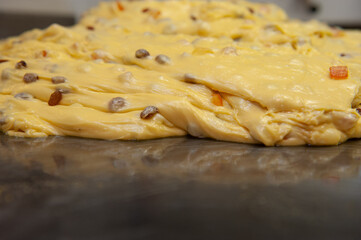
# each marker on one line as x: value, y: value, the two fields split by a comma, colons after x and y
x: 232, y: 71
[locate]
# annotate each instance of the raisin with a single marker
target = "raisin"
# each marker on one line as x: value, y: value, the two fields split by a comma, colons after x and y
x: 58, y: 79
x: 141, y: 53
x: 162, y: 59
x: 149, y: 112
x: 21, y: 65
x: 116, y: 104
x: 30, y: 77
x: 55, y: 98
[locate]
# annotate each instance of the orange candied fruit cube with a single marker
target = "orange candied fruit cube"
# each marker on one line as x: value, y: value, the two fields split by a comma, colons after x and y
x: 217, y: 99
x: 120, y: 6
x: 339, y: 72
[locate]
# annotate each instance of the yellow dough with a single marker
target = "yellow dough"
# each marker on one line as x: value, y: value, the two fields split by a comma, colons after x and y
x: 232, y: 71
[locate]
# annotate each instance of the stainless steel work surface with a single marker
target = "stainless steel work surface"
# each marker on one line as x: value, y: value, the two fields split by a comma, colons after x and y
x: 177, y: 188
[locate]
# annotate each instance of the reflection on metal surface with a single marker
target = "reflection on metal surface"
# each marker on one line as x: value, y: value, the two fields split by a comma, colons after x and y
x: 178, y: 188
x: 185, y: 158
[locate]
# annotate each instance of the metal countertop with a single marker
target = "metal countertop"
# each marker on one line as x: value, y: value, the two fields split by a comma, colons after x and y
x: 177, y: 188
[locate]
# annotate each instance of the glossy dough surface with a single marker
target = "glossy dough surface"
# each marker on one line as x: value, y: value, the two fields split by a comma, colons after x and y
x: 232, y: 71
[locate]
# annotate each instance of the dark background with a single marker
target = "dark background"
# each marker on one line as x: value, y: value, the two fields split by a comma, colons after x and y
x: 12, y: 24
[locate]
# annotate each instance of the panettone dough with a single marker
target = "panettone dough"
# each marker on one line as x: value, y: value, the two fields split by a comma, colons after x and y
x: 232, y: 71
